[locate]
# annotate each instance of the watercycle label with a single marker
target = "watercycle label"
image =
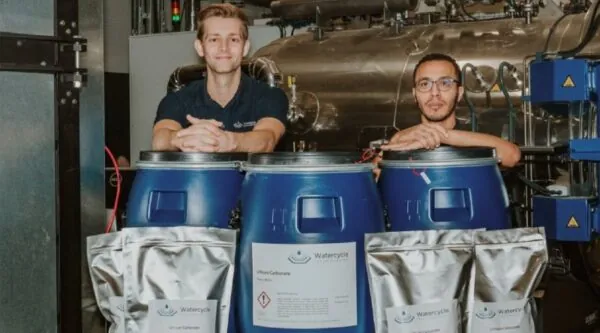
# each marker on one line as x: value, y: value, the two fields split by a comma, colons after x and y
x: 190, y: 316
x: 442, y: 317
x: 117, y: 311
x: 506, y: 317
x: 304, y: 286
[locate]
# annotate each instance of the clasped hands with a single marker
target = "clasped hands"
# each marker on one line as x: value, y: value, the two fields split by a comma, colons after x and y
x: 422, y: 136
x: 204, y: 135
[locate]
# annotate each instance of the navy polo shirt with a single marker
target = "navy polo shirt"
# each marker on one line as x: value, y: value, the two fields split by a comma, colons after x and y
x: 253, y: 101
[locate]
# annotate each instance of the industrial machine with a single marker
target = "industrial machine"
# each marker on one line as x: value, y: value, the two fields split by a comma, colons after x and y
x: 349, y: 78
x: 530, y: 76
x: 353, y: 86
x: 571, y: 87
x: 566, y: 85
x: 350, y: 85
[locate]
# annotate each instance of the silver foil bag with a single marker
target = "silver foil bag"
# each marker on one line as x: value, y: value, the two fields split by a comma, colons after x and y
x: 178, y: 279
x: 419, y: 280
x: 509, y: 265
x: 105, y: 261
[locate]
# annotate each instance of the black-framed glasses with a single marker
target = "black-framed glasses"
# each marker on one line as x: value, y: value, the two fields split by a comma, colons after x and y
x: 443, y: 84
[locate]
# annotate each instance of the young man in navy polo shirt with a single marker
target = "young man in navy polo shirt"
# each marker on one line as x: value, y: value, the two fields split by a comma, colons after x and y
x: 227, y: 111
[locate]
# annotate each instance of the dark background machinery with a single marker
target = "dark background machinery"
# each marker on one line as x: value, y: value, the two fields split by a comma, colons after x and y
x: 349, y: 80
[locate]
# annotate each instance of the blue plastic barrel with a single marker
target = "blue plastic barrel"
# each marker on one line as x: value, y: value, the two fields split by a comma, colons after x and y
x: 445, y: 188
x: 176, y: 188
x: 302, y: 264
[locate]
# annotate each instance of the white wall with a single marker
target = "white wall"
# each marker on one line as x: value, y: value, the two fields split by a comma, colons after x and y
x: 117, y: 28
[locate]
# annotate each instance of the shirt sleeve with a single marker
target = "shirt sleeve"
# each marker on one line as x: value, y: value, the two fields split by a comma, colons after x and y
x: 171, y: 107
x: 274, y: 104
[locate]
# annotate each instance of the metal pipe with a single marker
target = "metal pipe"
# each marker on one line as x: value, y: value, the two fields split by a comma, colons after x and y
x: 511, y: 109
x: 151, y: 16
x: 140, y: 16
x: 571, y: 137
x: 192, y: 15
x: 466, y: 93
x: 364, y: 76
x: 305, y: 9
x: 528, y: 130
x: 526, y: 105
x: 528, y: 11
x: 261, y: 68
x: 548, y: 143
x: 427, y: 19
x: 265, y: 68
x: 588, y: 19
x: 593, y: 133
x: 134, y: 17
x: 162, y: 15
x: 541, y: 150
x: 580, y: 135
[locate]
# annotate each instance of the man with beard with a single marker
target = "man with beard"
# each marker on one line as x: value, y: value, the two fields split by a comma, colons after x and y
x: 437, y: 89
x: 227, y: 111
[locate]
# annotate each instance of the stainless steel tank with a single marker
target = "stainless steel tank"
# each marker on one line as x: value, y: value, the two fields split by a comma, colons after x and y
x: 260, y: 3
x: 307, y: 9
x: 358, y: 83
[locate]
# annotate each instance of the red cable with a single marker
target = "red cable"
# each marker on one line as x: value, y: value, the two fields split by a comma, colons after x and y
x: 415, y: 171
x: 114, y: 212
x: 366, y: 155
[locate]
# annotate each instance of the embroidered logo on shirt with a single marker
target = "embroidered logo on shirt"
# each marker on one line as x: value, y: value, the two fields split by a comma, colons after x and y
x: 238, y: 124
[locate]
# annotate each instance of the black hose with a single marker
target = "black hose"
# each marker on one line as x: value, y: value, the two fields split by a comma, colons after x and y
x: 462, y: 8
x: 552, y: 30
x: 466, y: 95
x: 511, y: 109
x: 588, y: 35
x: 537, y: 187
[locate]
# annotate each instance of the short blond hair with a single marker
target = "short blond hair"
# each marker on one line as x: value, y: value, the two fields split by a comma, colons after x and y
x: 224, y: 10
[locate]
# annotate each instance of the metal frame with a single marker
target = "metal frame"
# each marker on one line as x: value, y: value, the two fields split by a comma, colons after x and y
x: 59, y: 54
x: 69, y: 208
x: 66, y: 26
x: 39, y: 54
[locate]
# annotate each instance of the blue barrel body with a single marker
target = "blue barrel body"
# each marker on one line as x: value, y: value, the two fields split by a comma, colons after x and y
x: 176, y: 188
x: 172, y: 188
x: 302, y: 265
x: 446, y: 188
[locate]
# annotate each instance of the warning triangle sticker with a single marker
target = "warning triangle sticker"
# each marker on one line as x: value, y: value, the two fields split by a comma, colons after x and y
x: 572, y: 223
x: 495, y: 88
x: 568, y: 83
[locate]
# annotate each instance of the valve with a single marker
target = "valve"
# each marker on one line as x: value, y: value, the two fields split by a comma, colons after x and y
x: 293, y: 112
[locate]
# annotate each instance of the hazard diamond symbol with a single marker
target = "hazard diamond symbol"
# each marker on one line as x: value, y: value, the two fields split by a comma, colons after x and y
x: 572, y: 223
x: 263, y: 299
x: 568, y: 83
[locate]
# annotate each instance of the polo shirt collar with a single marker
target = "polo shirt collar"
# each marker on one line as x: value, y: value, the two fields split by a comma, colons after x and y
x: 204, y: 98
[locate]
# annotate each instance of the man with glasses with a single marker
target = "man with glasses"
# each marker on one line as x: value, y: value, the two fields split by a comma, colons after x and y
x: 437, y: 90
